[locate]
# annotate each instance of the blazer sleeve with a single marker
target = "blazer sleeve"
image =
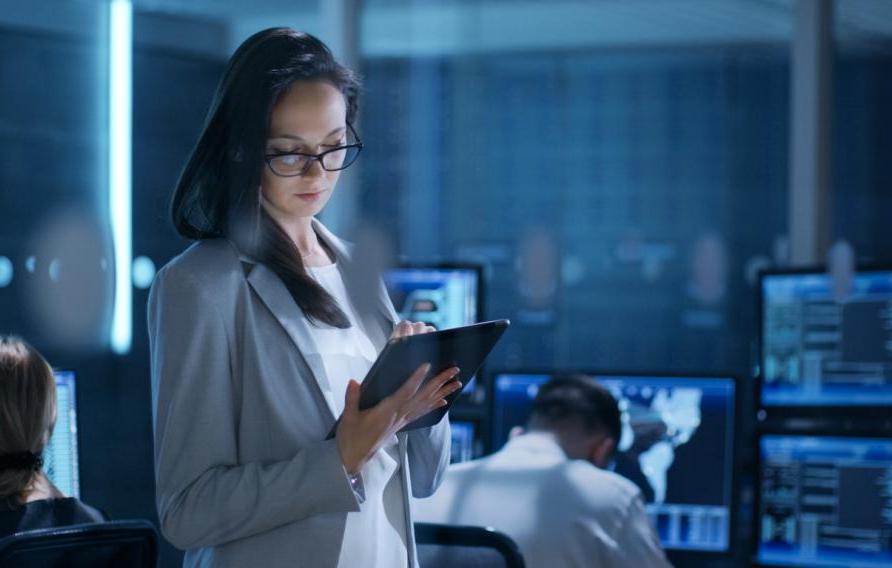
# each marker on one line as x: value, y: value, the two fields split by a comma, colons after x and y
x: 205, y: 497
x: 429, y: 450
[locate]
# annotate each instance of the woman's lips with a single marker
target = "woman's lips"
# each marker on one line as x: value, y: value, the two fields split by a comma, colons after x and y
x: 310, y: 197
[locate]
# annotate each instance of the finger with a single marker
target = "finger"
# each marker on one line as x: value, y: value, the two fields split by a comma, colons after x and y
x: 418, y: 327
x: 400, y: 329
x: 429, y: 328
x: 351, y: 399
x: 447, y: 389
x: 417, y: 413
x: 439, y: 381
x: 411, y: 386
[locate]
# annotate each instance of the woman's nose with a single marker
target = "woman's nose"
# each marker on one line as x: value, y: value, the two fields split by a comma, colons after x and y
x: 314, y: 169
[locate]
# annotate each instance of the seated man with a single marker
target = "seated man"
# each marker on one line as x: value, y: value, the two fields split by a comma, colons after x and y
x: 28, y: 500
x: 546, y: 489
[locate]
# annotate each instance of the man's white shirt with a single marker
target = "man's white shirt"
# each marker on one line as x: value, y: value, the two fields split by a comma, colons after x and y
x: 560, y: 512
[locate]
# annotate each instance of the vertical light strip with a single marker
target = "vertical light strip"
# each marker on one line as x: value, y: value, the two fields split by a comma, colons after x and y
x: 119, y: 175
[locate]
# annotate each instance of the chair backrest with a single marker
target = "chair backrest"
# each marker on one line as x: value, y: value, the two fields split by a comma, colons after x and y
x: 117, y: 543
x: 471, y: 547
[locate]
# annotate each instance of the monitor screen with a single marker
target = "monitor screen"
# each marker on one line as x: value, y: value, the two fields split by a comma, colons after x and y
x: 60, y: 456
x: 441, y: 297
x: 826, y: 343
x: 825, y: 501
x: 444, y: 297
x: 462, y: 441
x: 677, y: 445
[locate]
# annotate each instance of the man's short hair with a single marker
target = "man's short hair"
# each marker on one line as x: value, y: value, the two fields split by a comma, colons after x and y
x: 575, y: 399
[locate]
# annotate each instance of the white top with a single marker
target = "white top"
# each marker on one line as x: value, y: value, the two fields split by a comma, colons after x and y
x: 560, y: 512
x: 376, y: 535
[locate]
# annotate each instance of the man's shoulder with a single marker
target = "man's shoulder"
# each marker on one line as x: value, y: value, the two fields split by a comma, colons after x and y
x: 599, y: 486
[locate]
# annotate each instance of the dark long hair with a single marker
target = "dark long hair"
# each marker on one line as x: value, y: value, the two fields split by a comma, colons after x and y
x: 217, y: 194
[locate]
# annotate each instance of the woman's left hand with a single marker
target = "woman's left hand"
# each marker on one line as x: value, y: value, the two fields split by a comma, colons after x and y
x: 407, y: 328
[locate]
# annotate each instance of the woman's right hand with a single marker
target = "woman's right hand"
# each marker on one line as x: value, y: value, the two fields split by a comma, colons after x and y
x: 361, y: 433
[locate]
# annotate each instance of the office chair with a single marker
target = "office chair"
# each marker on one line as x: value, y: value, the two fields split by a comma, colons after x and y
x: 445, y: 546
x: 113, y: 544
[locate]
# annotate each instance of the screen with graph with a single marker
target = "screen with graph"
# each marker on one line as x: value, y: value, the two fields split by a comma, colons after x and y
x: 826, y: 342
x: 825, y: 501
x: 61, y: 454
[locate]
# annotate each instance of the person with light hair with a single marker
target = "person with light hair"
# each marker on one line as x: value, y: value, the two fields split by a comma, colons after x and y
x: 28, y: 499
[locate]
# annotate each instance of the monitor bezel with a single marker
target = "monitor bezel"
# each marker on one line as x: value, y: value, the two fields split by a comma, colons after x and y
x: 819, y: 413
x: 77, y: 425
x: 679, y: 556
x: 821, y: 432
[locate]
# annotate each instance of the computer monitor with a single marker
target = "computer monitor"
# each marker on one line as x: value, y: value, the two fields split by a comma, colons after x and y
x: 824, y: 501
x: 462, y: 441
x: 677, y: 445
x: 825, y: 341
x: 441, y: 295
x: 60, y: 458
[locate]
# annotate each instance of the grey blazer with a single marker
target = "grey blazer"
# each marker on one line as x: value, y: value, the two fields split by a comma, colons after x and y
x: 244, y: 474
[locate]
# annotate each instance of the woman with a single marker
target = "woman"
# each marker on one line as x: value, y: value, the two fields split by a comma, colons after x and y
x: 28, y: 500
x: 255, y: 336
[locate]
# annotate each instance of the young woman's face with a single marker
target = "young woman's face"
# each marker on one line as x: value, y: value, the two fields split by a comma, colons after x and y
x: 309, y: 118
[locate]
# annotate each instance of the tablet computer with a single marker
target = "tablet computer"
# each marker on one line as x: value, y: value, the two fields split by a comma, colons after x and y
x: 464, y: 347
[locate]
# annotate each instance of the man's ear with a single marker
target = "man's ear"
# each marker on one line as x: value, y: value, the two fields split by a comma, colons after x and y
x: 516, y: 431
x: 602, y: 451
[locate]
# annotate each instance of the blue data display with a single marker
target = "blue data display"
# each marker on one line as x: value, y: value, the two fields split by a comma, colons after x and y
x: 441, y: 297
x: 676, y: 445
x: 825, y: 342
x: 60, y: 456
x: 462, y: 441
x: 825, y: 501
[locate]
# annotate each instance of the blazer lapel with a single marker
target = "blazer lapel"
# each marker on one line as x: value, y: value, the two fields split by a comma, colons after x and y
x: 275, y: 295
x: 363, y: 285
x: 365, y: 288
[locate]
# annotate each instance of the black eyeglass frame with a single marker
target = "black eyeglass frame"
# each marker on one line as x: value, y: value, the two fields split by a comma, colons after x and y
x: 268, y: 158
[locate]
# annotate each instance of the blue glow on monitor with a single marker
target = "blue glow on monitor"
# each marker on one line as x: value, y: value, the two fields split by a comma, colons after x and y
x: 61, y: 456
x: 677, y: 445
x: 825, y: 501
x: 462, y: 441
x: 441, y: 297
x: 824, y: 344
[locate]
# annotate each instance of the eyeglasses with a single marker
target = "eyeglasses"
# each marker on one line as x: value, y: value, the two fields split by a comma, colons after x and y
x: 292, y: 164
